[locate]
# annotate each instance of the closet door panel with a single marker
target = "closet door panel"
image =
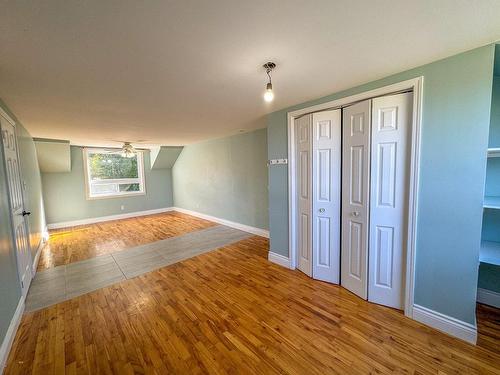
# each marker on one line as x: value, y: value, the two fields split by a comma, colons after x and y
x: 304, y: 197
x: 355, y: 197
x: 326, y: 195
x: 391, y: 116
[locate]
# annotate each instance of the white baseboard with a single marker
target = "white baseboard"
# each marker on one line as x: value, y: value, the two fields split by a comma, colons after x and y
x: 11, y: 334
x: 279, y: 259
x: 65, y: 224
x: 445, y: 323
x: 488, y: 297
x: 43, y: 241
x: 232, y: 224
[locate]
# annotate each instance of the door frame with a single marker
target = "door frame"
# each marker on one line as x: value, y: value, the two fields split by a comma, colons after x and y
x: 416, y: 85
x: 6, y: 116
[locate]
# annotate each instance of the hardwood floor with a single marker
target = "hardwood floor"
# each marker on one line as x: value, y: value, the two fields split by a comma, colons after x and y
x: 232, y: 311
x: 73, y: 244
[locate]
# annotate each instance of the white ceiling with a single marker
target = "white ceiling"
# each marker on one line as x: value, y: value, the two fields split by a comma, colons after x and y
x: 177, y: 72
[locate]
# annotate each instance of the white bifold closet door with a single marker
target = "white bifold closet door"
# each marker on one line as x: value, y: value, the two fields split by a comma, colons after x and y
x: 391, y: 119
x: 304, y: 193
x: 355, y: 197
x: 326, y: 133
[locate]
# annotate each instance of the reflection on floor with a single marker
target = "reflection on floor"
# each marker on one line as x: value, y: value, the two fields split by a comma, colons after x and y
x: 232, y: 311
x: 74, y: 244
x: 488, y: 326
x: 68, y: 281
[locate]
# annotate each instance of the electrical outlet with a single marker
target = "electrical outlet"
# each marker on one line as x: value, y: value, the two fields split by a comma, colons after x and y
x: 122, y: 207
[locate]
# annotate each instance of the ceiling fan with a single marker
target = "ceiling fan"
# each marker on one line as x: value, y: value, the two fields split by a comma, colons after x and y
x: 127, y: 150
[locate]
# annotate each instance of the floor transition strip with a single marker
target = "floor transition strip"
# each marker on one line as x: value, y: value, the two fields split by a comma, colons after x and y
x: 62, y: 283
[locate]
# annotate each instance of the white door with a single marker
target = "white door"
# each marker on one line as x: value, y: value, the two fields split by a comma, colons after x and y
x: 355, y: 196
x: 16, y: 202
x: 326, y: 195
x: 391, y: 121
x: 304, y: 200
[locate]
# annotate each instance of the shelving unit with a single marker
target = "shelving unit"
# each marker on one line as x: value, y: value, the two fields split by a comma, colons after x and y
x: 491, y: 202
x: 494, y: 152
x: 490, y: 252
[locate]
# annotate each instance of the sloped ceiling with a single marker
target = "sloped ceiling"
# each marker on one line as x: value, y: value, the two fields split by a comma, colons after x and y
x: 164, y: 156
x: 53, y: 155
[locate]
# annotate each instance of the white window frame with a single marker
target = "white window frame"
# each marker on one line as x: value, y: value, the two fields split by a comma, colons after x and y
x: 140, y: 172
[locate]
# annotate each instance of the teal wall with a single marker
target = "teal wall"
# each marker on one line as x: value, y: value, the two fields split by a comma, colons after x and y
x: 494, y: 139
x: 10, y: 291
x: 456, y: 117
x: 65, y: 200
x: 225, y: 178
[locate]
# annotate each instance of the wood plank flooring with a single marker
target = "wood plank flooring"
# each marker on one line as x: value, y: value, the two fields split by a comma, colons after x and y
x: 73, y: 244
x: 232, y: 311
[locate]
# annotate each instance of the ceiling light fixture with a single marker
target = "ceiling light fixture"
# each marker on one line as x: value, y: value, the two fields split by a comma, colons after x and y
x: 269, y: 95
x: 128, y: 151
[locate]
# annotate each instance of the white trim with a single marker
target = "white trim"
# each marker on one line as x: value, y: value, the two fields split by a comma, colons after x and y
x: 494, y: 152
x: 43, y: 240
x: 445, y: 323
x: 11, y: 334
x: 73, y: 223
x: 279, y: 259
x: 415, y: 84
x: 488, y: 297
x: 232, y: 224
x: 6, y: 116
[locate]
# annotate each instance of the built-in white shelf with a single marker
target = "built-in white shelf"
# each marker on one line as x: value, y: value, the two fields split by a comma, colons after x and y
x: 491, y: 202
x: 494, y: 152
x: 490, y: 252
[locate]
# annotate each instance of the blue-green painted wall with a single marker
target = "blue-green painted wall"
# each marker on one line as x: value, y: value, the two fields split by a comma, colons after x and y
x: 455, y: 125
x: 65, y: 200
x: 225, y: 178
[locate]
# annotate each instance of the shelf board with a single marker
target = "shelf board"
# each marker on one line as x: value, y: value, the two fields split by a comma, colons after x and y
x: 490, y: 252
x: 491, y: 202
x: 494, y: 152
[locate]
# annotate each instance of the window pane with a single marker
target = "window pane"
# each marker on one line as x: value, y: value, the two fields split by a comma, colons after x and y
x: 103, y: 189
x: 111, y: 166
x: 130, y: 187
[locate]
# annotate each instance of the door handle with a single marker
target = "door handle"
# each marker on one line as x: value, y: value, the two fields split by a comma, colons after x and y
x: 321, y: 210
x: 26, y: 213
x: 355, y: 214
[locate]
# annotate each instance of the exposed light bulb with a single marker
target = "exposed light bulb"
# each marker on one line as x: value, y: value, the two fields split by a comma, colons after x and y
x: 269, y: 95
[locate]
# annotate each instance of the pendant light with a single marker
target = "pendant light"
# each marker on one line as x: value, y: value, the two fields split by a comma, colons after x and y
x: 269, y: 95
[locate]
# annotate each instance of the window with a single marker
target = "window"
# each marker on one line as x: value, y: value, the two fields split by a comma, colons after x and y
x: 109, y: 174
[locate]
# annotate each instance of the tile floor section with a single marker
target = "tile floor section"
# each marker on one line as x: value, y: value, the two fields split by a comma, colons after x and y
x: 68, y: 281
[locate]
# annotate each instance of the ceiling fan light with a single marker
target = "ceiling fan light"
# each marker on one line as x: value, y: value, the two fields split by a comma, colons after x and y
x: 128, y: 151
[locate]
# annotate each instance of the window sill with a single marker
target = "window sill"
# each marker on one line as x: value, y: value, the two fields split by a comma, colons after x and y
x: 89, y: 198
